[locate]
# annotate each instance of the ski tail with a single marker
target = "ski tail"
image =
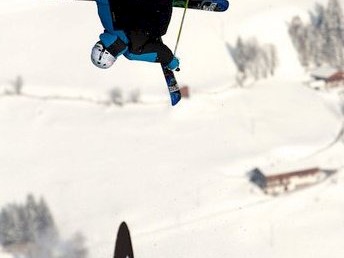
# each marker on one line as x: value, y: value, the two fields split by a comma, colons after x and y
x: 123, y: 246
x: 204, y: 5
x: 172, y: 85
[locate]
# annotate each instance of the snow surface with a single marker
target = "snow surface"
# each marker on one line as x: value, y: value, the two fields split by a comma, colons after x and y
x: 176, y: 175
x: 5, y: 255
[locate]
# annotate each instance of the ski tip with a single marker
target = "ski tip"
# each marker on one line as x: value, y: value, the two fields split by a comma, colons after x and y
x: 222, y: 5
x: 123, y: 225
x: 175, y: 98
x: 123, y: 246
x: 123, y: 231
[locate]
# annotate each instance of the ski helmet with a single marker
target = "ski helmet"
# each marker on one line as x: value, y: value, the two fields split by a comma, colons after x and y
x: 101, y: 57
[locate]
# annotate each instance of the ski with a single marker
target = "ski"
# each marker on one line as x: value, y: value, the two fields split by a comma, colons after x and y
x: 205, y: 5
x: 123, y: 246
x: 172, y: 85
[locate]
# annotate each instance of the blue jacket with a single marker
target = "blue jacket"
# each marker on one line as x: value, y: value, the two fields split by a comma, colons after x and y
x: 119, y: 41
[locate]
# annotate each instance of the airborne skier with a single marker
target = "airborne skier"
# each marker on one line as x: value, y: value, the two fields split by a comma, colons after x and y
x: 133, y: 29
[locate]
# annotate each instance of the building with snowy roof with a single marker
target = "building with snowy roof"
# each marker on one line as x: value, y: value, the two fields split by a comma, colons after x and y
x: 332, y: 77
x: 289, y: 180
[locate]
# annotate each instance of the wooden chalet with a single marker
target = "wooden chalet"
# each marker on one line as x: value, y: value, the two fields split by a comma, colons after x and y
x: 332, y: 77
x: 337, y: 79
x: 279, y: 183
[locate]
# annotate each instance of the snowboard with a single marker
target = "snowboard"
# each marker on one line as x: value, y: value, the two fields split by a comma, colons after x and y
x: 206, y: 5
x: 172, y: 85
x: 123, y: 246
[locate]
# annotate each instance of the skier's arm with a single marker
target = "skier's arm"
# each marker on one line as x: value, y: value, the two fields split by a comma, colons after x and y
x: 113, y: 39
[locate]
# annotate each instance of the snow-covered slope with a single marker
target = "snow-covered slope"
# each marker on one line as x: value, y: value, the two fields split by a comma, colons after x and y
x: 177, y: 175
x: 5, y: 255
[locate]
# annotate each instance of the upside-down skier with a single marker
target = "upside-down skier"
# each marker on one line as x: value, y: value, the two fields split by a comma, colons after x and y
x: 134, y: 29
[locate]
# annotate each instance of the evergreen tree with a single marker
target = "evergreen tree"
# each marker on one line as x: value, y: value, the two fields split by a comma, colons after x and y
x: 32, y: 225
x: 24, y: 224
x: 299, y: 35
x: 335, y: 23
x: 74, y: 248
x: 31, y: 211
x: 45, y: 223
x: 272, y: 57
x: 7, y: 228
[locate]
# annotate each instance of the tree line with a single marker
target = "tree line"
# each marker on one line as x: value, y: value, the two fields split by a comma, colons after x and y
x: 30, y: 229
x: 252, y: 59
x: 321, y: 41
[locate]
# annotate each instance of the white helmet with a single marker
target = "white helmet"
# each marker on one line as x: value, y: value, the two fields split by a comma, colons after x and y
x: 101, y: 57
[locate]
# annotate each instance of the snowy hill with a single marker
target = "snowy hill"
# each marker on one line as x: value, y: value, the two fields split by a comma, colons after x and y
x: 176, y: 175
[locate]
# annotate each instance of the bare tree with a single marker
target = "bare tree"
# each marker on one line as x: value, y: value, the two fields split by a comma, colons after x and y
x: 322, y: 40
x: 116, y: 96
x: 252, y: 59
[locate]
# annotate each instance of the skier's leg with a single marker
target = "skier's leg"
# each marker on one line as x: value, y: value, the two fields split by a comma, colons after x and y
x: 164, y: 53
x: 144, y: 48
x: 137, y: 40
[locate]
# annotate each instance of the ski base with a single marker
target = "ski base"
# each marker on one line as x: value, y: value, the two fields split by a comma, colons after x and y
x: 205, y: 5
